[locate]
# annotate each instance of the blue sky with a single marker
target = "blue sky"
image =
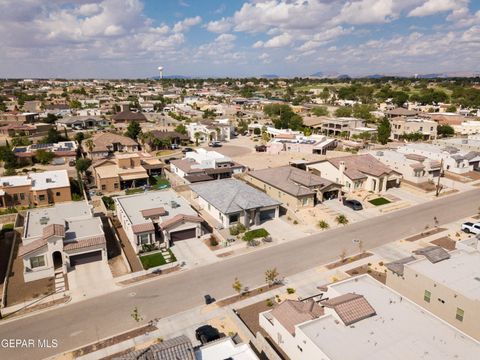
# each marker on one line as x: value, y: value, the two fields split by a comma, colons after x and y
x: 130, y: 38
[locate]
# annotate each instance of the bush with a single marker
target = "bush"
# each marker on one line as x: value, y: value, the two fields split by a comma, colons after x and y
x: 269, y: 303
x: 213, y: 241
x: 254, y: 234
x: 148, y: 248
x: 237, y: 229
x: 290, y: 291
x: 109, y: 203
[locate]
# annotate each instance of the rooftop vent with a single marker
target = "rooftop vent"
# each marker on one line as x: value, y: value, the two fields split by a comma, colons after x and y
x: 174, y: 204
x: 49, y: 180
x: 44, y: 220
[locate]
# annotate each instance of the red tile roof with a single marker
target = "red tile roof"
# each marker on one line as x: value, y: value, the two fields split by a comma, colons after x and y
x: 84, y: 243
x: 293, y: 312
x: 351, y: 308
x: 141, y: 228
x: 53, y: 230
x: 34, y: 245
x: 179, y: 218
x: 160, y: 211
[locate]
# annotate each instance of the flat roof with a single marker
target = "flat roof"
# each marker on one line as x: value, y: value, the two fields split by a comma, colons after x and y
x: 399, y: 330
x: 81, y: 223
x: 133, y: 205
x: 461, y: 272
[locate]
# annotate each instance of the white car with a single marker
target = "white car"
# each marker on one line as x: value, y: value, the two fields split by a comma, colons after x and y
x: 471, y: 228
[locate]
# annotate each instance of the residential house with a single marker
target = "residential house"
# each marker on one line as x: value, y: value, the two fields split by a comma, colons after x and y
x: 230, y: 201
x: 177, y: 348
x: 56, y: 239
x: 127, y: 116
x: 361, y: 318
x: 444, y: 283
x: 35, y: 189
x: 452, y: 159
x: 466, y: 144
x: 157, y: 217
x: 341, y: 126
x: 64, y: 151
x: 209, y: 130
x: 413, y: 167
x: 203, y: 165
x: 293, y: 187
x: 400, y: 112
x: 123, y: 171
x: 26, y: 117
x: 105, y: 144
x: 13, y: 128
x: 314, y: 144
x: 356, y: 172
x: 83, y: 122
x: 402, y: 126
x: 467, y: 127
x: 225, y: 348
x: 167, y: 138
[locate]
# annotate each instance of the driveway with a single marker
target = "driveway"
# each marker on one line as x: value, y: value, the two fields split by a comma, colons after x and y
x: 351, y: 215
x: 92, y: 279
x: 194, y: 252
x: 281, y: 230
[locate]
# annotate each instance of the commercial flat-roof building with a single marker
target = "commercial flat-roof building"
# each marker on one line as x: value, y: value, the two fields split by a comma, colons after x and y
x: 360, y: 318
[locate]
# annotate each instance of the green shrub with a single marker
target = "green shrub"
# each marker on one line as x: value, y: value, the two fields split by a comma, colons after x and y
x: 213, y: 241
x: 7, y: 227
x: 269, y: 303
x: 109, y: 203
x: 290, y: 291
x: 255, y: 234
x: 237, y: 229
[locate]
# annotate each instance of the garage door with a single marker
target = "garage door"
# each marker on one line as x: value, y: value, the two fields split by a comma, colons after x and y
x: 183, y: 235
x: 85, y: 258
x: 267, y: 215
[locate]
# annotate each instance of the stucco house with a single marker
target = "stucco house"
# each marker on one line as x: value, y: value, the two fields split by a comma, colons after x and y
x: 106, y: 144
x: 231, y: 201
x: 157, y: 217
x: 55, y: 239
x: 357, y: 172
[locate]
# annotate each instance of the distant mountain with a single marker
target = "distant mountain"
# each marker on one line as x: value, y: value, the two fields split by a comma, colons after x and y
x: 269, y: 76
x: 344, y: 76
x: 324, y: 75
x: 375, y: 76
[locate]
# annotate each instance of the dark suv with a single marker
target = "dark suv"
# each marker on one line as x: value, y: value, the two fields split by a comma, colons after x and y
x: 353, y: 204
x: 206, y: 333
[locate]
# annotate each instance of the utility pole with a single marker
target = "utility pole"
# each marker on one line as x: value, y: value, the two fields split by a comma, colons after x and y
x: 439, y: 176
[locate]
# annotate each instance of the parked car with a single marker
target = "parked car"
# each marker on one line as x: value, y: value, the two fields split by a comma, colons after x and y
x: 209, y: 299
x: 353, y: 204
x: 187, y: 149
x: 215, y: 144
x: 207, y: 333
x: 260, y: 148
x: 471, y: 228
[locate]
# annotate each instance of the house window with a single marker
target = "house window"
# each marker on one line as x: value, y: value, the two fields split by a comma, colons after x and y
x: 15, y: 197
x: 22, y: 196
x: 143, y: 239
x: 37, y: 261
x: 427, y: 295
x: 115, y: 186
x: 41, y: 197
x: 304, y: 201
x: 57, y: 193
x: 104, y: 187
x: 460, y: 314
x: 233, y: 218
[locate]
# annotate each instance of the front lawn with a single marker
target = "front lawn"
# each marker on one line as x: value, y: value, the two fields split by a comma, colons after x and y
x: 379, y: 201
x: 255, y: 234
x: 157, y: 259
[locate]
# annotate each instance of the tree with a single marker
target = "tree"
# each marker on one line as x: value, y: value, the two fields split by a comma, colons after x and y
x: 53, y: 136
x: 197, y: 136
x: 320, y: 111
x: 20, y: 141
x: 90, y: 145
x: 271, y: 276
x: 237, y: 285
x: 44, y: 157
x: 75, y: 104
x: 445, y: 130
x: 79, y: 137
x: 322, y: 224
x: 8, y: 157
x: 383, y: 131
x: 83, y: 165
x: 343, y: 111
x: 341, y: 219
x: 181, y: 129
x: 325, y: 95
x: 362, y: 111
x: 51, y: 119
x: 133, y: 130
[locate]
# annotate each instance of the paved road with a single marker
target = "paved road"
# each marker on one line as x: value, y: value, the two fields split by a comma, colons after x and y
x: 96, y: 318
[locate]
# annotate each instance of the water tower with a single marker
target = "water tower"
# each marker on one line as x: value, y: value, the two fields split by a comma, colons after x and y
x: 160, y: 69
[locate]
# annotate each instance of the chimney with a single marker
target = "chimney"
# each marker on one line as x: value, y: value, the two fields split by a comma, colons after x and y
x: 341, y: 167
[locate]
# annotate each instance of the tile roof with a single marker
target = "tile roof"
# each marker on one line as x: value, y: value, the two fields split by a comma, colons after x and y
x: 433, y: 253
x: 178, y: 348
x: 292, y: 180
x: 179, y: 218
x: 141, y: 228
x: 293, y: 312
x: 232, y: 196
x: 129, y: 115
x: 401, y: 112
x: 358, y: 166
x: 159, y: 211
x: 84, y: 243
x: 397, y: 267
x: 351, y: 308
x: 53, y: 230
x: 104, y: 141
x: 34, y: 245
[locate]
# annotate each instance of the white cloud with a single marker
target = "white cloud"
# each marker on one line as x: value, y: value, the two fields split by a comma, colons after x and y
x: 225, y: 38
x: 219, y: 26
x: 367, y: 12
x: 275, y: 42
x: 186, y: 24
x: 431, y: 7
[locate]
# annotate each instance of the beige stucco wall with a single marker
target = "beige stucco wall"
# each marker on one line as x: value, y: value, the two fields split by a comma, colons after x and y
x: 443, y: 301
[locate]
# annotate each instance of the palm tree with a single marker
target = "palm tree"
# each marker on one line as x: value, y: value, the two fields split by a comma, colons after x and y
x: 197, y: 137
x: 341, y: 219
x: 90, y: 145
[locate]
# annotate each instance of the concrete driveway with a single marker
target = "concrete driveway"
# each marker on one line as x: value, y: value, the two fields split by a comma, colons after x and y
x: 88, y: 280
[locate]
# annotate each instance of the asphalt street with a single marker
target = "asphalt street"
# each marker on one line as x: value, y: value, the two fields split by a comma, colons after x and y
x: 87, y: 321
